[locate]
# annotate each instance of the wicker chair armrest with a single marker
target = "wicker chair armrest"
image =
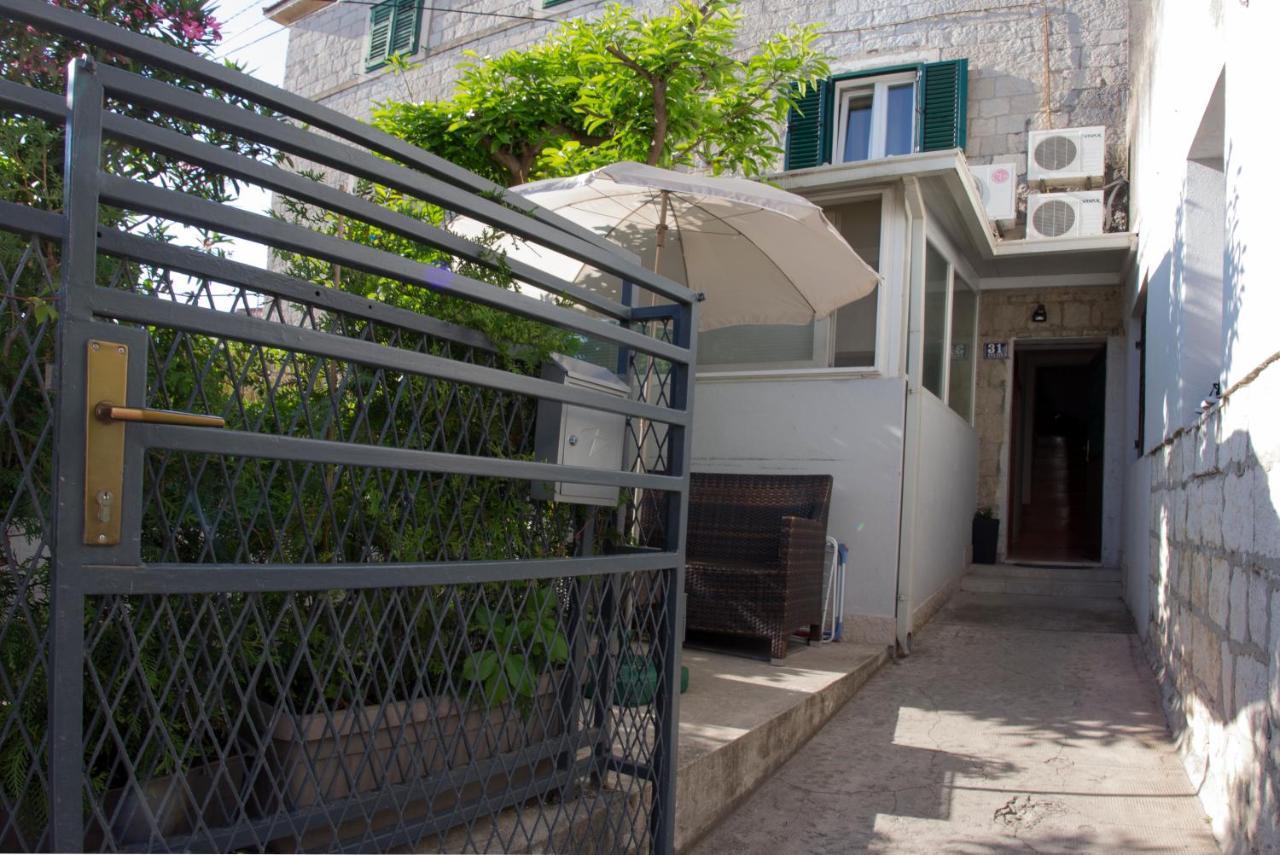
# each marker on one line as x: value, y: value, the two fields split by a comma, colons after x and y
x: 804, y: 543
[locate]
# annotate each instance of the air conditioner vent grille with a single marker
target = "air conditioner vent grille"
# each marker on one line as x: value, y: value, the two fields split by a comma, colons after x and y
x: 1054, y: 218
x: 1056, y: 152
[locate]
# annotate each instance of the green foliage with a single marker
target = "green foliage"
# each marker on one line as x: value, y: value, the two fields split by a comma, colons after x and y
x: 31, y: 170
x: 524, y: 343
x: 670, y: 90
x: 513, y: 650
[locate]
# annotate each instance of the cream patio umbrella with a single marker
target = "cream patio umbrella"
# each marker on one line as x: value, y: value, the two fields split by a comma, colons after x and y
x: 760, y: 255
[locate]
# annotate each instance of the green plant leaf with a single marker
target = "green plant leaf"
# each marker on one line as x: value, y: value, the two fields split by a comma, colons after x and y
x: 480, y: 666
x: 521, y: 677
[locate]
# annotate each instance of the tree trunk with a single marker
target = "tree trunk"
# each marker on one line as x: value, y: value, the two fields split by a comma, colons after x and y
x: 659, y: 142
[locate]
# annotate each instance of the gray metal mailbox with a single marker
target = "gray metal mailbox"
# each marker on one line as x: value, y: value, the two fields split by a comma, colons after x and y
x: 577, y: 436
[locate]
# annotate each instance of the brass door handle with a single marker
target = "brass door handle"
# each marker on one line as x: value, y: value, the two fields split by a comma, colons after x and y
x: 109, y: 412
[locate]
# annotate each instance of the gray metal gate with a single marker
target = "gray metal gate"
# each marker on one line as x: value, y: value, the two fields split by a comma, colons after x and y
x: 278, y: 570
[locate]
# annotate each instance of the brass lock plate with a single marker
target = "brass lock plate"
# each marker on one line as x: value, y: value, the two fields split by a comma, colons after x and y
x: 107, y: 380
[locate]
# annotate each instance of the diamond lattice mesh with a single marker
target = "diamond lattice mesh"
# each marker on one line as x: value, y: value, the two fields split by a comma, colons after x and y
x: 459, y: 711
x: 374, y: 718
x: 27, y: 331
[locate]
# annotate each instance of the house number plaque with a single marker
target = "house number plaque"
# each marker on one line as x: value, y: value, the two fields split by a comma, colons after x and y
x: 995, y: 350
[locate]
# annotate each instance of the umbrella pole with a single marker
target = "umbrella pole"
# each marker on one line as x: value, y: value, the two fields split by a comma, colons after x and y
x: 662, y: 230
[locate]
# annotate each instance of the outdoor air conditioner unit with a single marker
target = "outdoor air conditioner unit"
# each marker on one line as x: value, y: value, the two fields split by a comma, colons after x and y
x: 1066, y: 156
x: 997, y: 185
x: 1058, y: 215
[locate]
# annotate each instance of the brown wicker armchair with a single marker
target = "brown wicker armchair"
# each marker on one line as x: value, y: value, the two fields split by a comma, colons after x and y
x: 756, y: 545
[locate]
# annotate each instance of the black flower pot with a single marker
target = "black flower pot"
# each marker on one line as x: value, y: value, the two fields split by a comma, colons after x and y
x: 986, y: 531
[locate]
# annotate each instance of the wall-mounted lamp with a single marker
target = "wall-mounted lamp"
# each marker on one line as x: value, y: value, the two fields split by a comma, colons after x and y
x: 1040, y: 315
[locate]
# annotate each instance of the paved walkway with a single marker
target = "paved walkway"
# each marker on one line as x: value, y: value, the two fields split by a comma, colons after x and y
x: 1018, y: 725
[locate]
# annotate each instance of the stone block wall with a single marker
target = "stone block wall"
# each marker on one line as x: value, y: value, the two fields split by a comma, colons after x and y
x: 1080, y: 49
x: 1214, y: 634
x: 1093, y: 312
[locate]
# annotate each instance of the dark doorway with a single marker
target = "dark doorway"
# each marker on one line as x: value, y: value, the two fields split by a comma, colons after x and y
x: 1056, y: 453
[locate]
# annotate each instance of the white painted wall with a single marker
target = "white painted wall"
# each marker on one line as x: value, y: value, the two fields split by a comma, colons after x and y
x: 947, y: 485
x: 1180, y: 50
x: 850, y: 428
x: 1202, y: 541
x: 1185, y: 212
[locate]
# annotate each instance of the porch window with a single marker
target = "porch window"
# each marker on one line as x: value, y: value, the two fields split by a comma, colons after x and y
x: 936, y: 274
x: 845, y: 339
x: 855, y: 323
x: 964, y: 330
x: 950, y: 333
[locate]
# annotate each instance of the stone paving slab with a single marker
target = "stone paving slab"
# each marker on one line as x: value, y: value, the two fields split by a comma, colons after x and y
x: 1013, y: 727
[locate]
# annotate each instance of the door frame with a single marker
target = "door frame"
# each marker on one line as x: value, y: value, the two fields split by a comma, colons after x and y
x: 1113, y: 444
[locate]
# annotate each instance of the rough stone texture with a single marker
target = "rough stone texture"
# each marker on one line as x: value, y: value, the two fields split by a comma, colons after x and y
x: 1215, y: 508
x: 1000, y: 733
x: 1084, y: 55
x: 1006, y: 316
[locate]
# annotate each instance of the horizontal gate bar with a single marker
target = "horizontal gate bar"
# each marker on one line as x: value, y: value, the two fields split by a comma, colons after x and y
x: 236, y: 443
x: 183, y: 103
x: 193, y: 262
x: 155, y: 53
x: 215, y: 578
x: 263, y: 229
x: 393, y: 797
x: 153, y: 138
x: 37, y: 102
x: 21, y: 219
x: 126, y: 306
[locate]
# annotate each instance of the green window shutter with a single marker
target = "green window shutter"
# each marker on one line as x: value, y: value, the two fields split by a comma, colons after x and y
x: 379, y: 33
x: 404, y: 28
x: 808, y: 128
x: 943, y: 113
x: 393, y: 31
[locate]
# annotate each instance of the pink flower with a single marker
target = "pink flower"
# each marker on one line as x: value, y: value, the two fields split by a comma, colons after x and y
x: 157, y: 10
x: 193, y: 30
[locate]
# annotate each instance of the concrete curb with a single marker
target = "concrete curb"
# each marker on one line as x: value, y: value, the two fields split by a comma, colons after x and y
x: 710, y: 787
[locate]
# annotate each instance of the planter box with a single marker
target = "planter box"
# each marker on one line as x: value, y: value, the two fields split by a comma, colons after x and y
x: 373, y: 747
x: 211, y: 796
x: 986, y: 533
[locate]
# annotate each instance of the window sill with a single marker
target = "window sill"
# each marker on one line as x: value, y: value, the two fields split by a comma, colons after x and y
x: 766, y: 374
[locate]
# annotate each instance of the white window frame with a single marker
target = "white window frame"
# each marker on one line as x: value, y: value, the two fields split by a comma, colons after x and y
x: 886, y: 212
x: 879, y: 86
x: 957, y: 267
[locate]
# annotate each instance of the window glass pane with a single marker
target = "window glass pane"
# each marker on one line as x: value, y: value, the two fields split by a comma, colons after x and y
x: 756, y: 344
x: 855, y: 323
x: 900, y: 125
x: 857, y: 136
x: 964, y: 316
x: 935, y: 318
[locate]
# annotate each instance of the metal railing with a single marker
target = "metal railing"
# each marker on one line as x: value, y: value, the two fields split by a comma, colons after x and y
x: 348, y: 619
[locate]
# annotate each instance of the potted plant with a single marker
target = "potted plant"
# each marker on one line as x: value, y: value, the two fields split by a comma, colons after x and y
x: 986, y: 532
x: 501, y: 697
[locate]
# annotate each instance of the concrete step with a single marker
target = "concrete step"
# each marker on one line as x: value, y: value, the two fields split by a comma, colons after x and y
x: 1045, y: 571
x: 1088, y: 582
x: 742, y: 719
x: 1039, y: 613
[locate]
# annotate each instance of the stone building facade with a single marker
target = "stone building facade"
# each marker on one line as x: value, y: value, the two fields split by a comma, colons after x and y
x: 1202, y: 551
x: 1214, y: 574
x: 1030, y: 66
